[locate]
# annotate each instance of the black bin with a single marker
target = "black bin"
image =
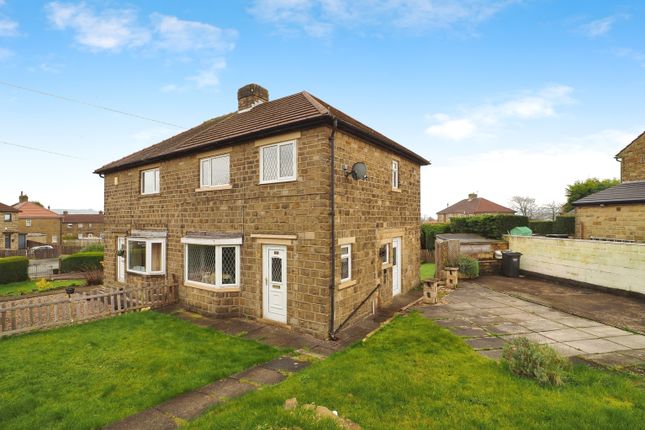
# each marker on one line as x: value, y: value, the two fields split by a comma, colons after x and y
x: 511, y: 263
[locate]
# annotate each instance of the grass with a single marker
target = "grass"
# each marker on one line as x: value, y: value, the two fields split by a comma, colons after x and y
x: 29, y: 287
x: 414, y: 374
x: 87, y: 376
x: 427, y: 270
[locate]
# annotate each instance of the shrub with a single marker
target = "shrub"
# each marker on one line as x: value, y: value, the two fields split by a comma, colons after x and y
x: 565, y: 224
x: 429, y: 233
x: 93, y: 277
x: 539, y: 362
x: 43, y: 285
x: 468, y: 266
x: 491, y: 226
x: 13, y: 269
x: 541, y: 227
x: 81, y: 262
x: 95, y: 247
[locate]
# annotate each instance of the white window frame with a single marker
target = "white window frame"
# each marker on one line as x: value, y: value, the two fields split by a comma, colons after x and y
x: 346, y: 252
x: 295, y: 162
x: 70, y: 225
x: 395, y: 175
x: 80, y: 225
x: 7, y: 217
x: 218, y: 244
x: 157, y: 178
x: 149, y: 243
x: 387, y: 254
x: 202, y: 184
x: 27, y: 223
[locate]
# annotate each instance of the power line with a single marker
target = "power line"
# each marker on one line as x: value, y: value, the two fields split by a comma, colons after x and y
x: 69, y: 99
x: 4, y: 142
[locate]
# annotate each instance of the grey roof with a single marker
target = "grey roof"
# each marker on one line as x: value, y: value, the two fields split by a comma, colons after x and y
x: 466, y: 238
x: 627, y: 192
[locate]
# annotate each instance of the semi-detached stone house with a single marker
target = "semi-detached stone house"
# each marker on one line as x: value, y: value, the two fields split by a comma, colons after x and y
x: 37, y: 224
x: 83, y: 226
x: 9, y: 227
x: 242, y: 211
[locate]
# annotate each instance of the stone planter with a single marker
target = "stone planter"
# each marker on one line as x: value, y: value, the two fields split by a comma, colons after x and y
x: 430, y: 290
x: 451, y: 276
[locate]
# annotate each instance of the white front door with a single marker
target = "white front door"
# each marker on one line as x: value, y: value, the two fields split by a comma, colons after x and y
x: 396, y: 266
x: 275, y: 283
x: 120, y: 260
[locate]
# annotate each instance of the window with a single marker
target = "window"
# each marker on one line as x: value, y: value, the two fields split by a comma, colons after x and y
x: 150, y: 181
x: 345, y: 263
x: 80, y: 226
x: 147, y: 256
x: 395, y: 175
x: 278, y: 162
x: 385, y: 253
x: 54, y: 238
x: 211, y: 265
x: 214, y: 171
x: 80, y: 235
x: 70, y: 225
x: 27, y: 223
x: 7, y: 217
x: 90, y: 225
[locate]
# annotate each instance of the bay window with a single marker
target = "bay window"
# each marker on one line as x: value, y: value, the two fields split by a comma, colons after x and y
x: 211, y: 263
x: 146, y: 256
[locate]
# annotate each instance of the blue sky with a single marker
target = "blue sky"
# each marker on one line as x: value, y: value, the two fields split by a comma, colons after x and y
x: 504, y: 97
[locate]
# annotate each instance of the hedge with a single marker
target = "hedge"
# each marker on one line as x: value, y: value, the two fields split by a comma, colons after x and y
x: 491, y: 226
x: 13, y: 269
x: 565, y: 224
x: 541, y: 227
x: 81, y: 262
x: 429, y: 233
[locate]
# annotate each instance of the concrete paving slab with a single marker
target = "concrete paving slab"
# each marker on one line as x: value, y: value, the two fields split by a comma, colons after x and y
x: 260, y: 375
x: 493, y: 354
x: 635, y: 341
x: 227, y: 388
x: 577, y: 322
x: 468, y: 331
x: 150, y: 419
x: 596, y: 346
x: 617, y: 359
x: 607, y: 331
x: 521, y: 317
x: 486, y: 343
x: 454, y: 323
x: 508, y: 310
x: 638, y: 353
x: 567, y: 334
x: 286, y: 364
x: 534, y: 337
x: 187, y: 406
x: 565, y: 350
x: 543, y: 324
x: 506, y: 328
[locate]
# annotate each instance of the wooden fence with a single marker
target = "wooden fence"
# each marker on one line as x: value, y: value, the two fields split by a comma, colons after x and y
x: 24, y: 315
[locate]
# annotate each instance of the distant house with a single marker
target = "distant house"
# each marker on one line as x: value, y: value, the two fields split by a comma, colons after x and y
x: 10, y: 235
x: 473, y: 205
x: 83, y: 226
x: 617, y: 212
x: 37, y: 223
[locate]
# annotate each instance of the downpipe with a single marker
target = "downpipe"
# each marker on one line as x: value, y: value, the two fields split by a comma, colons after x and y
x: 332, y: 216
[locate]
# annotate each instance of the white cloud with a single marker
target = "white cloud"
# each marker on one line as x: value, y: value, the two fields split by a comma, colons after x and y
x: 598, y: 27
x: 110, y: 30
x: 5, y: 54
x: 179, y: 35
x: 319, y: 17
x: 8, y: 27
x: 208, y: 78
x: 484, y: 118
x: 632, y: 54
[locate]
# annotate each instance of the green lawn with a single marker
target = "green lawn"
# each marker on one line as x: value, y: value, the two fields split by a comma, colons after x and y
x: 427, y: 271
x: 86, y: 376
x: 414, y: 374
x: 28, y: 287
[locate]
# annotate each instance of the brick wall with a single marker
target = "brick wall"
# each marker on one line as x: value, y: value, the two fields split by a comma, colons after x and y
x: 611, y: 221
x: 607, y: 264
x: 42, y: 230
x: 74, y: 229
x: 632, y: 165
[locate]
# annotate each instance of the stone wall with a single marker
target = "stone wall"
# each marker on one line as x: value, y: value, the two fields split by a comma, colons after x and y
x: 42, y: 230
x: 612, y: 265
x: 632, y: 165
x: 74, y: 229
x: 9, y: 228
x: 625, y: 222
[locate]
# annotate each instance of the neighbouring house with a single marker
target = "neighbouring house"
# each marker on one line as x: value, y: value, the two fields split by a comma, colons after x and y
x: 473, y: 205
x: 10, y: 234
x: 617, y: 213
x: 37, y: 223
x: 83, y: 226
x: 242, y: 212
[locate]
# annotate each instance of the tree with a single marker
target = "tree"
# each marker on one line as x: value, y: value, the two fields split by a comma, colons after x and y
x: 524, y: 205
x: 550, y: 210
x: 580, y: 189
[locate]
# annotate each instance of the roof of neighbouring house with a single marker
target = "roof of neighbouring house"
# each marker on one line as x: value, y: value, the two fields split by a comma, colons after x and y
x: 627, y: 192
x: 84, y: 218
x: 277, y: 116
x: 7, y: 208
x: 475, y: 205
x: 35, y: 211
x: 639, y: 138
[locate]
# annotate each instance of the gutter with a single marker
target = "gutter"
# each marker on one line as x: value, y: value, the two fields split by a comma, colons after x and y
x: 332, y: 235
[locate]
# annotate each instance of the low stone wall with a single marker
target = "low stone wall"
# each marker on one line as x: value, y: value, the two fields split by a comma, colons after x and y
x: 612, y: 265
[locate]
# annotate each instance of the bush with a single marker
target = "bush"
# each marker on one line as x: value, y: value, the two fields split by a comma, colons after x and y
x: 95, y: 247
x: 43, y: 285
x: 539, y: 362
x: 468, y: 266
x: 541, y: 227
x: 491, y: 226
x: 93, y: 277
x: 429, y: 233
x: 81, y: 262
x: 565, y: 224
x: 13, y: 269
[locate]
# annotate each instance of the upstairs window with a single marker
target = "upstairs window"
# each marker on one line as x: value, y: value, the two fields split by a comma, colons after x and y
x: 7, y: 217
x: 80, y: 226
x: 345, y: 263
x: 27, y: 223
x: 150, y: 181
x: 278, y: 162
x: 214, y: 171
x: 395, y: 175
x: 147, y: 256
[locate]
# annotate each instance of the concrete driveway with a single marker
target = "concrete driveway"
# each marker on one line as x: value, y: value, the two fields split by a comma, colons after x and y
x: 488, y: 319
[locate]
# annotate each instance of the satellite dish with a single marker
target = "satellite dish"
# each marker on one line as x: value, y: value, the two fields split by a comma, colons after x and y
x: 359, y: 171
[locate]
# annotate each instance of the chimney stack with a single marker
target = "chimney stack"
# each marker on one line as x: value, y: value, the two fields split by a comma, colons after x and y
x: 65, y: 213
x: 23, y: 198
x: 472, y: 196
x: 251, y: 95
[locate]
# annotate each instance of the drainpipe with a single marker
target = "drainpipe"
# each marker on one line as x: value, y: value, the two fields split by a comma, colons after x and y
x: 332, y: 216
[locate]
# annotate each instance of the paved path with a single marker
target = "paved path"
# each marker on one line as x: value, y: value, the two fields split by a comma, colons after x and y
x: 488, y: 319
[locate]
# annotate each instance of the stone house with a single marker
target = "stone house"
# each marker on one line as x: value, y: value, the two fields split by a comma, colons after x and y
x: 10, y: 240
x: 473, y: 205
x: 617, y: 213
x: 83, y: 226
x: 38, y: 224
x: 268, y: 213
